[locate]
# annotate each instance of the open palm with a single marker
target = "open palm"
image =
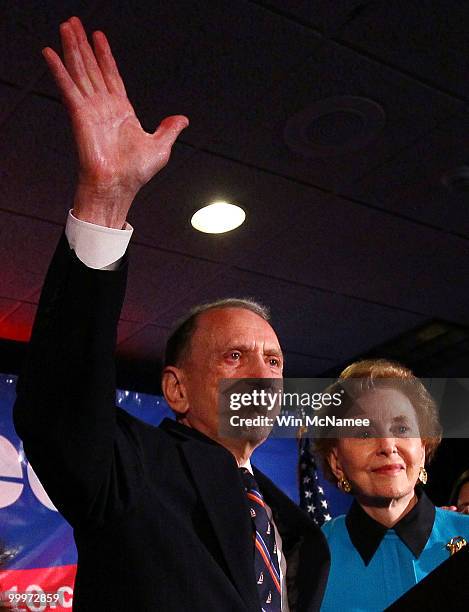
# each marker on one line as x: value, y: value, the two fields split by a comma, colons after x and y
x: 115, y: 153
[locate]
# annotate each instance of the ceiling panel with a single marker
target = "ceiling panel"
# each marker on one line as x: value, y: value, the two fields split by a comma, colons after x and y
x: 158, y: 280
x: 423, y: 37
x: 413, y: 183
x: 304, y: 366
x: 410, y: 110
x: 25, y: 28
x: 205, y: 61
x: 26, y: 245
x: 9, y: 97
x: 375, y: 256
x: 311, y: 322
x: 7, y: 307
x: 38, y: 160
x: 145, y: 345
x: 126, y: 329
x: 326, y: 16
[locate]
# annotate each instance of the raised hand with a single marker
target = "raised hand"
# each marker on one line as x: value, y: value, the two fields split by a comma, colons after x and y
x: 116, y: 156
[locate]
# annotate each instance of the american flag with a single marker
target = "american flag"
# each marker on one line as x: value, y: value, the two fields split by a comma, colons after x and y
x: 312, y: 497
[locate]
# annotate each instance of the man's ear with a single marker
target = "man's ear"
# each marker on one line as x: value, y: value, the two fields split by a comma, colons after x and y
x: 172, y: 384
x: 334, y: 463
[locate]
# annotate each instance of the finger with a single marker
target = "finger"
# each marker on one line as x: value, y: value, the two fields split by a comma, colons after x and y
x: 108, y: 65
x: 70, y: 92
x: 89, y: 60
x: 73, y: 59
x: 169, y: 129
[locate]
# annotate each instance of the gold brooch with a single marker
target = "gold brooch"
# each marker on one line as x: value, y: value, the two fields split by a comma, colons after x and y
x: 455, y: 544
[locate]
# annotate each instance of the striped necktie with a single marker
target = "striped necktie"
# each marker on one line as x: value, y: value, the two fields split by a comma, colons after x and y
x: 266, y: 565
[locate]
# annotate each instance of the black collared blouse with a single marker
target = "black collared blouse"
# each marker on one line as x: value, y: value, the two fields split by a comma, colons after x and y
x: 372, y: 566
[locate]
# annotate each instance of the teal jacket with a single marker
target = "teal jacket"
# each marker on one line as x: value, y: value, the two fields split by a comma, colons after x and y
x: 372, y: 566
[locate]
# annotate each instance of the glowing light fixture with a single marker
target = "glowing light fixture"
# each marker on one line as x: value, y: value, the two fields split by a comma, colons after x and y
x: 218, y: 217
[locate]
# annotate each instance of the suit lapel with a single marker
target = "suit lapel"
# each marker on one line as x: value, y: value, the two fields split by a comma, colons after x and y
x: 215, y: 474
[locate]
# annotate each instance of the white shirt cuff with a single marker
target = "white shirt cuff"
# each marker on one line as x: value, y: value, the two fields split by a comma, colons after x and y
x: 97, y: 246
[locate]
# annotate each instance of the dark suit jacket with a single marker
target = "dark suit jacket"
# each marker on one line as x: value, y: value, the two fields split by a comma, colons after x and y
x: 159, y: 513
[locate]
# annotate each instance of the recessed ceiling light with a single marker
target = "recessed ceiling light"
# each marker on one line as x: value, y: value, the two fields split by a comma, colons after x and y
x: 334, y: 126
x: 457, y: 179
x: 218, y: 217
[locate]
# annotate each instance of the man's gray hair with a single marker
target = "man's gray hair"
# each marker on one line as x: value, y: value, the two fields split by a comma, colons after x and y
x: 179, y: 341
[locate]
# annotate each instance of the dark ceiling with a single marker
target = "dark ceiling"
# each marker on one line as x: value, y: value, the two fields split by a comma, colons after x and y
x: 332, y: 123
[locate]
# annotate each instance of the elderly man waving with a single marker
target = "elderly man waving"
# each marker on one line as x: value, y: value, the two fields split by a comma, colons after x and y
x: 163, y: 517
